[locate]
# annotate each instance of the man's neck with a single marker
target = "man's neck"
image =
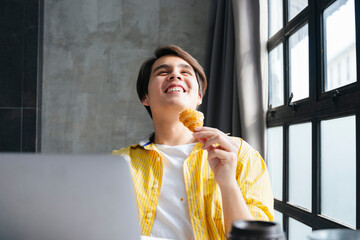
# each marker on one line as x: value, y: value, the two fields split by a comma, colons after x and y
x: 172, y: 133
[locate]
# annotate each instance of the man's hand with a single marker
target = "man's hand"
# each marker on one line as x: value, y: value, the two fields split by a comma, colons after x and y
x: 222, y: 157
x: 222, y: 154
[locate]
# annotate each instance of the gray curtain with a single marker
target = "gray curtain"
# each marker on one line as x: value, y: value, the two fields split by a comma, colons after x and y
x: 234, y: 101
x: 220, y: 107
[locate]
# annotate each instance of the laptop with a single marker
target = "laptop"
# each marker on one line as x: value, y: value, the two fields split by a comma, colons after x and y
x: 66, y: 197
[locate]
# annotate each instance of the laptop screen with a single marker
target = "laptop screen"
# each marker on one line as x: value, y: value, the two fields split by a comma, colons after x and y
x: 46, y: 196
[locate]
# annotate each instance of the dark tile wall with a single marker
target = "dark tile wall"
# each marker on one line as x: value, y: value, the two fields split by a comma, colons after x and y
x: 20, y: 28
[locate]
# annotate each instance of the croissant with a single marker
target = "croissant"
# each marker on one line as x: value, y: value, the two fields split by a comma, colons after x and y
x: 191, y: 119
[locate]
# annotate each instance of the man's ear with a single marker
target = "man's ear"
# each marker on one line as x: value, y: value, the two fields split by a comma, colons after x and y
x: 145, y: 101
x: 199, y: 100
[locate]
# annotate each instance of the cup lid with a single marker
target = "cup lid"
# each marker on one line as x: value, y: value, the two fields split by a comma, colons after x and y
x: 261, y: 229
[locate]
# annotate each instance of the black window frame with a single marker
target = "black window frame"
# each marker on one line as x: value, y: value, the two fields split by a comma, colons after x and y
x: 320, y: 105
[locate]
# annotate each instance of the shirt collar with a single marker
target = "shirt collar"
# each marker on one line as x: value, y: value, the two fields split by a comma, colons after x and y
x: 148, y: 145
x: 144, y: 142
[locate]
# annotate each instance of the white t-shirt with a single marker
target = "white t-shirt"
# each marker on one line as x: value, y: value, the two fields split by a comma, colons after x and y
x: 172, y: 219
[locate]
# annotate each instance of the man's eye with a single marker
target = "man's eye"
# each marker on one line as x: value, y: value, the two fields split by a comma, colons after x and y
x: 162, y: 73
x: 186, y: 72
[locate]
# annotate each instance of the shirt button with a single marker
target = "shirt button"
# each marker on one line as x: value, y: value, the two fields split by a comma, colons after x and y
x: 155, y: 186
x: 149, y: 215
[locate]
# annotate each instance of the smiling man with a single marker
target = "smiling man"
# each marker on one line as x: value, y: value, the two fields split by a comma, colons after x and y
x: 191, y: 185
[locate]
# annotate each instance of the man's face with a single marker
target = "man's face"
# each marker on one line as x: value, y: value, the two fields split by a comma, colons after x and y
x: 172, y: 85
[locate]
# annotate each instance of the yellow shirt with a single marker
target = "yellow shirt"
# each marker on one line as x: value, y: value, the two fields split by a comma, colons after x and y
x: 203, y: 193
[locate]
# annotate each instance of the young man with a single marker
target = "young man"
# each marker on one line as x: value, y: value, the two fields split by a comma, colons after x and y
x: 191, y: 185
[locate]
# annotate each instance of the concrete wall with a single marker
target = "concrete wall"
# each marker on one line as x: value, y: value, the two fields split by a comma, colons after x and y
x: 93, y: 50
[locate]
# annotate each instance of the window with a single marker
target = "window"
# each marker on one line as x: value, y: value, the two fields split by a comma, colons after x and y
x: 313, y: 132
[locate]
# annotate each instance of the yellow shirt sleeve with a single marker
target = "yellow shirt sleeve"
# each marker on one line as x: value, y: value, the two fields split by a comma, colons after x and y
x: 254, y: 181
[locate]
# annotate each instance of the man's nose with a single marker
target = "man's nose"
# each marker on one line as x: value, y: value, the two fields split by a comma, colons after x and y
x: 175, y: 76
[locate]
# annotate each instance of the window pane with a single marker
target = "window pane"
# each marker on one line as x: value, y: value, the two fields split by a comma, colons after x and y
x: 300, y: 165
x: 297, y: 230
x: 338, y: 169
x: 340, y: 56
x: 295, y: 7
x: 278, y: 218
x: 274, y: 159
x: 275, y: 16
x: 276, y: 76
x: 299, y: 63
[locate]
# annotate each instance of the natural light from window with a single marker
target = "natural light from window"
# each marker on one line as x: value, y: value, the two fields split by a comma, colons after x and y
x: 298, y: 230
x: 275, y: 16
x: 274, y: 159
x: 299, y: 63
x: 340, y: 49
x: 295, y: 7
x: 276, y: 76
x: 338, y: 169
x: 300, y: 152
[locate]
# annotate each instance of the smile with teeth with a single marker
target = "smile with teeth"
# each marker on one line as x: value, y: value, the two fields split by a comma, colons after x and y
x: 174, y: 89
